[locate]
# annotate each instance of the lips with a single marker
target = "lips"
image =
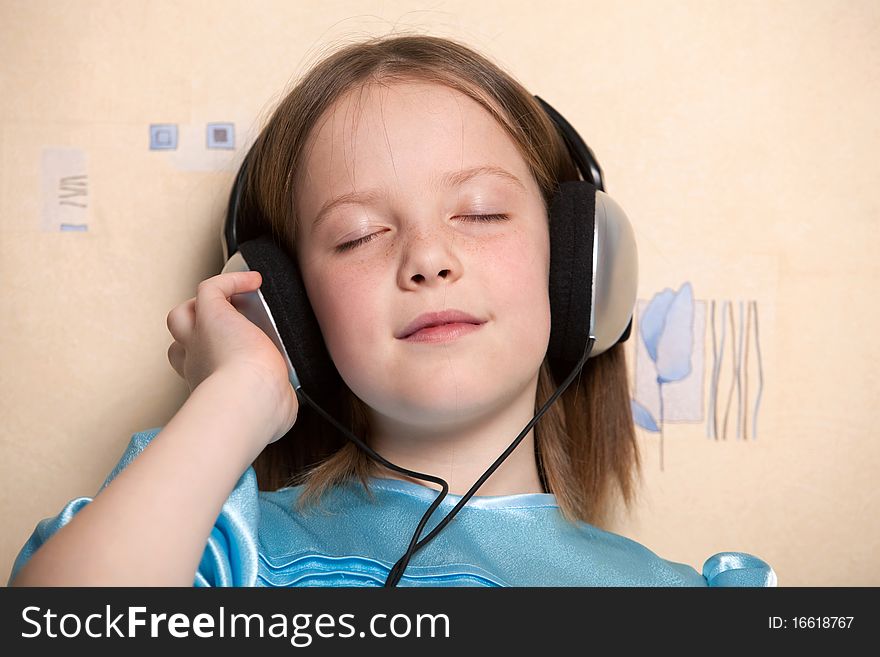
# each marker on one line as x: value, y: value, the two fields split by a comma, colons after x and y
x: 437, y: 319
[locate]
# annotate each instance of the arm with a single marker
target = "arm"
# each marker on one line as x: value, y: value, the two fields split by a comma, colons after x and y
x: 149, y: 527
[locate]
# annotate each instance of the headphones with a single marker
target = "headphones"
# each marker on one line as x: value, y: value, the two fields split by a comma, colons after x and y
x: 592, y: 288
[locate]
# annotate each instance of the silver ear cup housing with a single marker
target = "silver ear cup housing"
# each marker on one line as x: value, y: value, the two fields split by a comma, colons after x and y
x: 253, y: 306
x: 615, y: 273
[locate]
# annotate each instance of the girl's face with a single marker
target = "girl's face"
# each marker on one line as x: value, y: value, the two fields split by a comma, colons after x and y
x: 421, y: 254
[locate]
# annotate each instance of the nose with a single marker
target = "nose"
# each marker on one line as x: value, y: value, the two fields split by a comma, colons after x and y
x: 430, y: 260
x: 418, y: 278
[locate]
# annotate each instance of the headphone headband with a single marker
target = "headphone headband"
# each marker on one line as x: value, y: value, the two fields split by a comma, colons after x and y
x: 577, y: 147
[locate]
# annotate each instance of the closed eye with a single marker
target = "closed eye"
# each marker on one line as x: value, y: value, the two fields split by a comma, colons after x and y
x: 467, y: 217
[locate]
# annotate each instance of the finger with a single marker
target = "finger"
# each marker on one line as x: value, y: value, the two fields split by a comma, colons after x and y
x: 223, y: 286
x: 181, y: 319
x: 176, y: 356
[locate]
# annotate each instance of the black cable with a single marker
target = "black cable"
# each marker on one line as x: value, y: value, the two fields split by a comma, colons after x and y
x: 399, y: 567
x: 418, y: 475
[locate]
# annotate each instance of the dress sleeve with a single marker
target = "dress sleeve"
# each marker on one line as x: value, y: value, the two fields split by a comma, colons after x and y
x: 738, y: 569
x: 231, y: 553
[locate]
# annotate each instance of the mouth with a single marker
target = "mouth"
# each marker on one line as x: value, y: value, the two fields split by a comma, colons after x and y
x: 442, y: 332
x: 446, y: 322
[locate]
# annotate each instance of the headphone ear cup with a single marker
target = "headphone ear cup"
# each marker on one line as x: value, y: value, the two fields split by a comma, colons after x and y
x: 571, y: 216
x: 293, y: 318
x: 616, y: 274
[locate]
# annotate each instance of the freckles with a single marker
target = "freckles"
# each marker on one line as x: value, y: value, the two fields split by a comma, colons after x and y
x: 511, y: 249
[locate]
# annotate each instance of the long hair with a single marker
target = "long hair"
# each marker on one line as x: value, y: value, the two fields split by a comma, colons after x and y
x: 585, y: 444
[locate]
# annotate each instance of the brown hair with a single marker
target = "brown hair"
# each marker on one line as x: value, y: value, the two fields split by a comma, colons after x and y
x: 585, y: 443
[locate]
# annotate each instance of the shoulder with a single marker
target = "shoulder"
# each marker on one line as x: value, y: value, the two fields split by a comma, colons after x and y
x: 634, y: 564
x: 725, y: 569
x: 231, y: 555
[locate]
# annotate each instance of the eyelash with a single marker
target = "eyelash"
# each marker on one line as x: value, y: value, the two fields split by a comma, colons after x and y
x: 471, y: 217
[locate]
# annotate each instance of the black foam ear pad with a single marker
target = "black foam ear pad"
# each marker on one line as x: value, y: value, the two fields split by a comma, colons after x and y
x: 285, y: 294
x: 572, y: 215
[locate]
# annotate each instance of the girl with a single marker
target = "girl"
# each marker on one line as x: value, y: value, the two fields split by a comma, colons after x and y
x: 407, y: 175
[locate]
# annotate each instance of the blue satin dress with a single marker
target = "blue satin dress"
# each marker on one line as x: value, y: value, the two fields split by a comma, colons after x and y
x: 353, y: 540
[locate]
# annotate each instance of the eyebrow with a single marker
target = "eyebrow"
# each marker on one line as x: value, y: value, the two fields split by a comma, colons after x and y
x: 447, y: 180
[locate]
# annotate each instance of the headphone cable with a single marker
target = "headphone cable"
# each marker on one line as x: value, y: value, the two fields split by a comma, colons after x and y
x: 399, y: 567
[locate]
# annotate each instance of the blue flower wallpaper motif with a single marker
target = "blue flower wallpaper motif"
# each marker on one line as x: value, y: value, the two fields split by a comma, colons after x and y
x: 670, y: 362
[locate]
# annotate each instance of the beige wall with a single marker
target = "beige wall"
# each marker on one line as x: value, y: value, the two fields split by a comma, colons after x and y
x: 741, y: 138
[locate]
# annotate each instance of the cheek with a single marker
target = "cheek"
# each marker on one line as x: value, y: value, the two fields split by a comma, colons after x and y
x: 520, y: 275
x: 347, y: 311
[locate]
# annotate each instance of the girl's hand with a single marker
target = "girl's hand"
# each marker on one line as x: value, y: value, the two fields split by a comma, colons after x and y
x: 211, y: 335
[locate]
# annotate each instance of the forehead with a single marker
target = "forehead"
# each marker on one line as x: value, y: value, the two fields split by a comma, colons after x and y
x: 399, y: 136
